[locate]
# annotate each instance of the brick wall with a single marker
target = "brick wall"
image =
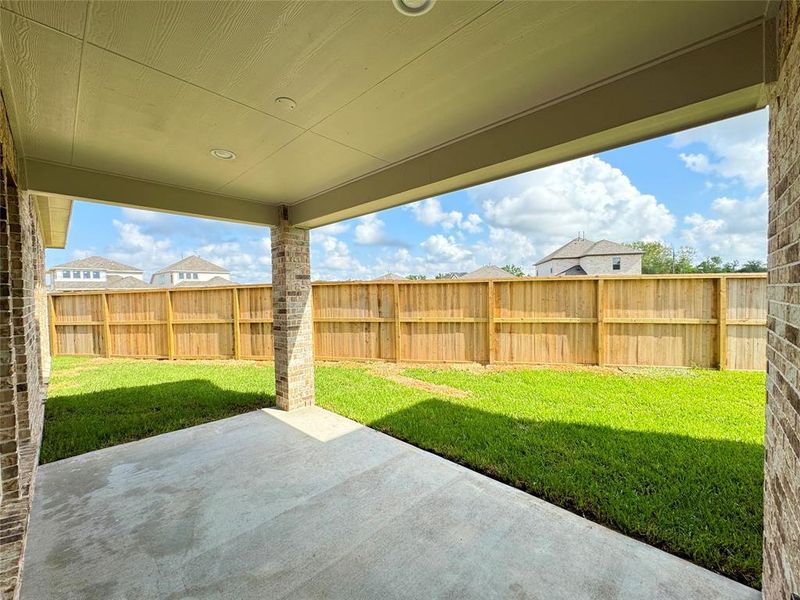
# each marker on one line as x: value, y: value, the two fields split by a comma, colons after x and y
x: 292, y: 325
x: 22, y: 390
x: 782, y: 441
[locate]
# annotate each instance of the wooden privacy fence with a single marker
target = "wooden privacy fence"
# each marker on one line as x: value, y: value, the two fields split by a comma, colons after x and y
x: 674, y: 320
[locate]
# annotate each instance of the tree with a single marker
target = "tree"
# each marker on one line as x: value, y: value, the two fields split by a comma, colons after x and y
x: 416, y: 277
x: 714, y: 264
x: 514, y: 270
x: 658, y: 257
x: 753, y: 266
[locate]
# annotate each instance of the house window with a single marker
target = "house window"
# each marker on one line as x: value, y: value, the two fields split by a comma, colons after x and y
x: 87, y: 275
x: 616, y: 263
x: 181, y: 275
x: 76, y: 274
x: 194, y: 275
x: 65, y: 274
x: 95, y: 274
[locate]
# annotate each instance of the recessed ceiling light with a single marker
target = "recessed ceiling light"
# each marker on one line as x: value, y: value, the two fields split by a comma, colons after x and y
x: 286, y: 102
x: 413, y: 8
x: 223, y: 154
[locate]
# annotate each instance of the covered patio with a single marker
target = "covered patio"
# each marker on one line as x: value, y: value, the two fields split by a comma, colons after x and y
x: 309, y: 504
x: 295, y: 115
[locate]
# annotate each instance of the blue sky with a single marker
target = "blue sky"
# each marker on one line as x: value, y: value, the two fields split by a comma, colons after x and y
x: 704, y: 188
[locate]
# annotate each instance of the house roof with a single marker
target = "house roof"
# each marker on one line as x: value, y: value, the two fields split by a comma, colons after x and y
x: 573, y: 270
x: 580, y: 247
x: 486, y: 272
x: 193, y: 264
x: 113, y: 282
x: 213, y: 282
x: 98, y: 263
x: 389, y: 276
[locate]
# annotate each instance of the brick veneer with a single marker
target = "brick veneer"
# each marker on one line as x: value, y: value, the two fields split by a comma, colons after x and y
x: 292, y: 318
x: 782, y: 441
x: 21, y: 384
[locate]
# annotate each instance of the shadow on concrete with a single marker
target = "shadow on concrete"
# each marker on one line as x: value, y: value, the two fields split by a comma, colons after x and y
x: 83, y: 422
x: 697, y: 498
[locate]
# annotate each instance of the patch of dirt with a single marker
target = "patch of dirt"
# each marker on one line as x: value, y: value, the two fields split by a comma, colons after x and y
x: 393, y: 372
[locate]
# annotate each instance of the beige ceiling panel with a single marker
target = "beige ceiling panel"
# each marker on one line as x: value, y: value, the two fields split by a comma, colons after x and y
x: 68, y: 17
x: 298, y: 170
x: 321, y: 54
x: 43, y: 68
x: 138, y: 122
x: 515, y: 57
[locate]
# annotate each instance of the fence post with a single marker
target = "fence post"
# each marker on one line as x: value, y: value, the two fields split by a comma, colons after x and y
x: 51, y: 314
x: 490, y: 318
x: 237, y: 334
x: 170, y: 329
x: 722, y: 321
x: 106, y: 328
x: 397, y: 322
x: 600, y: 301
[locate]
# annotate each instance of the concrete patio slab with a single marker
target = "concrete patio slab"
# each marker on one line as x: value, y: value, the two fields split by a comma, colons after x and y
x: 309, y: 504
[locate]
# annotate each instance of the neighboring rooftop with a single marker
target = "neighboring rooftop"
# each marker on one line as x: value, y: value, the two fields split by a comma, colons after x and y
x: 213, y: 282
x: 389, y: 277
x: 580, y: 247
x: 97, y: 263
x: 113, y: 282
x: 193, y: 264
x: 487, y: 272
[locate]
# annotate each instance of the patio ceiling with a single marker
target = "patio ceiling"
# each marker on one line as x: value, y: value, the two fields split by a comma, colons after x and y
x: 122, y: 102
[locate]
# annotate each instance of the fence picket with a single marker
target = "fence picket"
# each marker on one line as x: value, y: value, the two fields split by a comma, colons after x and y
x: 672, y: 320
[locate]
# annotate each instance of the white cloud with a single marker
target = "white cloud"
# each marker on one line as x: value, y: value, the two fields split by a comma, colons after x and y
x: 506, y: 246
x: 698, y: 163
x: 444, y: 250
x: 736, y: 149
x: 371, y: 231
x: 737, y: 231
x: 552, y: 205
x: 138, y: 249
x: 80, y: 253
x: 429, y: 212
x: 331, y: 259
x: 334, y: 228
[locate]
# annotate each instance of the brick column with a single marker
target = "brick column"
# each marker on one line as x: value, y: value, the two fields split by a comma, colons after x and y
x: 21, y: 389
x: 782, y: 440
x: 291, y: 312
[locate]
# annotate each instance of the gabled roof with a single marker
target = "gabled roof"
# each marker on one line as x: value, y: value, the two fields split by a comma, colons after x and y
x: 213, y: 282
x: 487, y: 272
x: 112, y: 283
x: 97, y: 263
x: 193, y: 264
x: 580, y: 247
x: 390, y: 277
x: 573, y: 270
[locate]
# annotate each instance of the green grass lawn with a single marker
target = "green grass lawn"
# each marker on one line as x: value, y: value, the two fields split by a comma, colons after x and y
x: 672, y: 457
x: 96, y: 403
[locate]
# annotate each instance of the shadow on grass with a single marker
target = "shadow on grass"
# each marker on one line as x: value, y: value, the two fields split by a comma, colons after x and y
x: 79, y: 423
x: 697, y: 498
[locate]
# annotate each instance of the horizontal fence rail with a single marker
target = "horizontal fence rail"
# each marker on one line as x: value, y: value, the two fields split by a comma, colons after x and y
x: 666, y: 320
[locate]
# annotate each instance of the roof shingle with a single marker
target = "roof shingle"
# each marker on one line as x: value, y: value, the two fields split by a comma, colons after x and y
x: 98, y: 263
x: 193, y: 264
x: 580, y: 247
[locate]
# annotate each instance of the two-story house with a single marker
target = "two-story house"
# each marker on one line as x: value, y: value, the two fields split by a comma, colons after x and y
x: 585, y: 257
x: 191, y: 271
x: 95, y: 272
